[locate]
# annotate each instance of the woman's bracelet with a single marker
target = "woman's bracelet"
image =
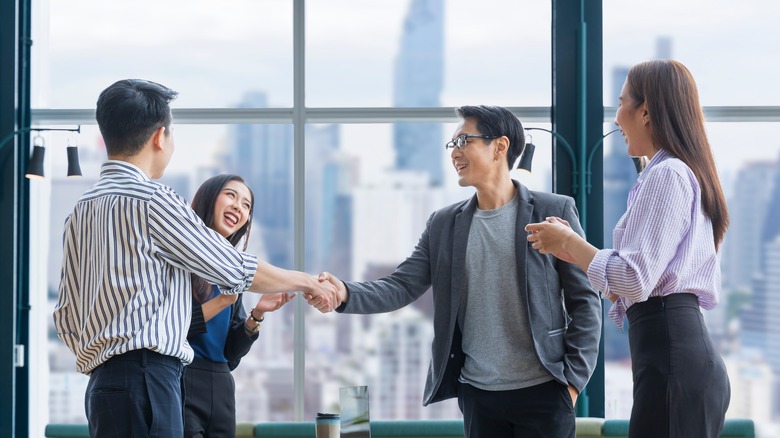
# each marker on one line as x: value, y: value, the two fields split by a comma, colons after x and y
x: 252, y: 317
x: 253, y: 331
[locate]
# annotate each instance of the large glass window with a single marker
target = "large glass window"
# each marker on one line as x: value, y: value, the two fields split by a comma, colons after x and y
x: 729, y: 49
x: 427, y: 53
x: 414, y: 53
x: 213, y: 54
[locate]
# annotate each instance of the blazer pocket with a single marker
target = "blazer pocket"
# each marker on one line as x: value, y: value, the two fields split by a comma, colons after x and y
x: 556, y: 332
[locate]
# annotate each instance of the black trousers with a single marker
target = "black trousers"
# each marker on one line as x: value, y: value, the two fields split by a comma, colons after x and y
x: 210, y: 401
x: 541, y: 411
x: 681, y: 388
x: 135, y: 394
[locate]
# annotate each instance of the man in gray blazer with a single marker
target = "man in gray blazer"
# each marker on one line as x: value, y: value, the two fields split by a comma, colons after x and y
x: 516, y: 333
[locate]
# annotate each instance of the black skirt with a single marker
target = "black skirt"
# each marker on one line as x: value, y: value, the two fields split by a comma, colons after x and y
x: 681, y: 388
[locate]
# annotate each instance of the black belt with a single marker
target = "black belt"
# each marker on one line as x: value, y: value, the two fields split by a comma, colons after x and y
x: 145, y: 356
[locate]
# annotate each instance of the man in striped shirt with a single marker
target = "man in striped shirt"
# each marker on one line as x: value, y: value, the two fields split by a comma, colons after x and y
x: 129, y: 247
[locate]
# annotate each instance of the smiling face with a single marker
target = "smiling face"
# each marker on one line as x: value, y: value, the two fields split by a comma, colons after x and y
x: 231, y: 208
x: 476, y: 161
x: 634, y: 123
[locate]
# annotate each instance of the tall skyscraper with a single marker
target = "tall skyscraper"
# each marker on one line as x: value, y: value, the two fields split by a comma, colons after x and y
x: 330, y: 177
x: 751, y: 239
x: 419, y: 73
x: 758, y: 330
x: 262, y: 154
x: 743, y: 248
x: 769, y: 297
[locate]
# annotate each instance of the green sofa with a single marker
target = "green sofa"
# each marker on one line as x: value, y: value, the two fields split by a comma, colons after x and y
x: 586, y: 428
x: 734, y: 428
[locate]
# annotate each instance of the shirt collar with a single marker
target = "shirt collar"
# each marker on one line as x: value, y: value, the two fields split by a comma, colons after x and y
x: 659, y: 157
x: 114, y: 167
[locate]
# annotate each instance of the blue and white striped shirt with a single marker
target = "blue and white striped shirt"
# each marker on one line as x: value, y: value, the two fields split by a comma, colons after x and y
x: 128, y: 249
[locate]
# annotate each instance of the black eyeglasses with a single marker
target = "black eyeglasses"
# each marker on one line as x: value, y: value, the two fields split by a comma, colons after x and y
x: 462, y: 140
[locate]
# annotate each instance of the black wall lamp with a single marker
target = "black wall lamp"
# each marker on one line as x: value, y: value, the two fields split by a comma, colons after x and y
x: 528, y: 153
x: 35, y: 165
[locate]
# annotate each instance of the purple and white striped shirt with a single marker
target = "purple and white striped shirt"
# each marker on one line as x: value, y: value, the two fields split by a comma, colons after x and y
x: 663, y: 243
x: 128, y: 249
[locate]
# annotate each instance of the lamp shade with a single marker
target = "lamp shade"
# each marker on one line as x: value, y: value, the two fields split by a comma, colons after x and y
x: 35, y: 166
x: 527, y: 157
x: 73, y: 161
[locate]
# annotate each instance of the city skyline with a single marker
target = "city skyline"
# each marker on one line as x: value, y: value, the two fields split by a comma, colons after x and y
x: 364, y: 155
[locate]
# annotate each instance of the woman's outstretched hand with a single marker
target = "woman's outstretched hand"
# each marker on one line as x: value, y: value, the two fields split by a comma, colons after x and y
x: 271, y: 302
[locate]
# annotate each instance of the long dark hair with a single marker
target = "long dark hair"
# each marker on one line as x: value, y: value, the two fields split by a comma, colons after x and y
x: 668, y: 89
x: 203, y: 205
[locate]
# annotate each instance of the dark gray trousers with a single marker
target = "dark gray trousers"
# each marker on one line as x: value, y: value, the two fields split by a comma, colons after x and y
x: 681, y: 388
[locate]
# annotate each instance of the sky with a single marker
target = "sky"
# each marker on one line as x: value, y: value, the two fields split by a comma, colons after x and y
x: 495, y: 53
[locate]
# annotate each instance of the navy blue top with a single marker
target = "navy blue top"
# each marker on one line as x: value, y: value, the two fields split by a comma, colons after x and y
x: 211, y: 345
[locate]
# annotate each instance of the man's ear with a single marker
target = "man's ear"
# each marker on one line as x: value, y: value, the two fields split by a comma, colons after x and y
x: 157, y: 138
x: 502, y: 144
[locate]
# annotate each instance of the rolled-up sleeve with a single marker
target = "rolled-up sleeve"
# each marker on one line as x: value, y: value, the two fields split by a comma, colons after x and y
x: 597, y: 270
x: 183, y: 240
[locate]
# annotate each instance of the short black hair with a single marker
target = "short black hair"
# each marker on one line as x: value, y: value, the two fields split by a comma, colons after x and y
x: 497, y: 121
x: 129, y: 111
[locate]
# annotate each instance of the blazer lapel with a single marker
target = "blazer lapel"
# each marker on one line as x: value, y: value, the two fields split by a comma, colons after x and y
x: 460, y: 239
x: 525, y: 209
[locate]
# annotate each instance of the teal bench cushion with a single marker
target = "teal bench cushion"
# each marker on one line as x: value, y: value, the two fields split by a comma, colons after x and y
x: 739, y: 428
x: 379, y: 429
x: 734, y: 428
x: 586, y: 428
x: 417, y: 429
x: 67, y: 430
x: 285, y: 430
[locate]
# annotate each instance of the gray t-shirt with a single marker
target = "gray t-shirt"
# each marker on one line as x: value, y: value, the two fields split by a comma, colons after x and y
x: 496, y: 338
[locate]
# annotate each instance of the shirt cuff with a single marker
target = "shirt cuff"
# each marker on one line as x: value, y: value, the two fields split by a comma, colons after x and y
x: 597, y: 270
x: 250, y: 268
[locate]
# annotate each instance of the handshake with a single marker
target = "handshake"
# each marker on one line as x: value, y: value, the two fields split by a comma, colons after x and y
x: 325, y: 293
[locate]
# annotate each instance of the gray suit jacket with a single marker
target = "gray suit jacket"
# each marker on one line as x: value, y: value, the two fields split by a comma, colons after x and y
x: 563, y: 310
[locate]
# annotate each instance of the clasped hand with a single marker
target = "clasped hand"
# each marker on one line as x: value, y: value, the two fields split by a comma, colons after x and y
x: 331, y: 302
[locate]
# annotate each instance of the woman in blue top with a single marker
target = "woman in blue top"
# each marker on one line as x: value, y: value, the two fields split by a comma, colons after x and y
x: 220, y: 333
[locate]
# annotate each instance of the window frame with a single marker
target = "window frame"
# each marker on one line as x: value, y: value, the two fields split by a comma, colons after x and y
x: 299, y: 116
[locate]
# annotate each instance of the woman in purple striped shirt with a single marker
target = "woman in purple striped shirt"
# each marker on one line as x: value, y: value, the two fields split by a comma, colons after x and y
x: 665, y: 265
